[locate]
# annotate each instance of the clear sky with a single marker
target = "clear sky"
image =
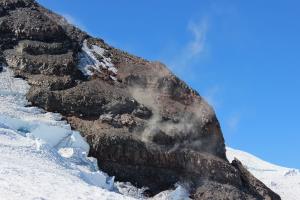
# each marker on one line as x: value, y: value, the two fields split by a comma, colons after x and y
x: 243, y: 56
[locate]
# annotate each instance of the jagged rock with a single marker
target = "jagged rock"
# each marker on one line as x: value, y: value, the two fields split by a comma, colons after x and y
x: 253, y: 183
x: 142, y: 112
x: 144, y: 125
x: 42, y: 64
x: 52, y: 83
x: 209, y: 190
x: 212, y: 191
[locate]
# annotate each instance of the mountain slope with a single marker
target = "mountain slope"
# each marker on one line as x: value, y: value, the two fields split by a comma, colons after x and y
x: 41, y: 158
x: 284, y: 181
x: 142, y: 123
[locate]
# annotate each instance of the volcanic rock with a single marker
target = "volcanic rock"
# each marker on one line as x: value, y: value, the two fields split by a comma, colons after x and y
x: 144, y: 124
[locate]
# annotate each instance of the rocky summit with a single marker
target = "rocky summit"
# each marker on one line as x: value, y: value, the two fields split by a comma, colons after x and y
x: 143, y: 124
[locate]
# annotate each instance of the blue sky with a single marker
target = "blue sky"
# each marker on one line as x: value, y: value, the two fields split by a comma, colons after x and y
x: 243, y: 56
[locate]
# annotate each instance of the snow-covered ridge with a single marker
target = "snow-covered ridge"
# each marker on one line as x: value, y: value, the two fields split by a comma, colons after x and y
x: 93, y: 60
x: 282, y: 180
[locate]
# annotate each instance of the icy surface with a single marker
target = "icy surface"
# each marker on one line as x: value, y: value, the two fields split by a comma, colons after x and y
x: 93, y: 60
x: 284, y: 181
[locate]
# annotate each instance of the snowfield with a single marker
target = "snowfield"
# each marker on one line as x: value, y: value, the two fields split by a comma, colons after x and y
x: 43, y: 159
x: 284, y: 181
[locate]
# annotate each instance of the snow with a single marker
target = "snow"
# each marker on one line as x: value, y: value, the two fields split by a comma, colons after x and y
x: 180, y: 193
x: 282, y: 180
x: 27, y: 173
x: 89, y: 63
x: 43, y: 159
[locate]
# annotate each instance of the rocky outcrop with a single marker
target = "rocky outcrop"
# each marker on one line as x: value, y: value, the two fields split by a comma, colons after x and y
x: 144, y: 125
x: 252, y: 183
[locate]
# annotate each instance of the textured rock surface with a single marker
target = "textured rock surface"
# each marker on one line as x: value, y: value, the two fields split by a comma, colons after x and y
x: 144, y: 125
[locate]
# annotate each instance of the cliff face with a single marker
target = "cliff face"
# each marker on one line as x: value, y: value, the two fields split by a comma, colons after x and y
x: 144, y: 125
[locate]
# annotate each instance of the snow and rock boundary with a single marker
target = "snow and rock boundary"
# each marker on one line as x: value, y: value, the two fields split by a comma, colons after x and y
x: 284, y: 181
x: 47, y: 133
x: 42, y: 158
x: 161, y: 132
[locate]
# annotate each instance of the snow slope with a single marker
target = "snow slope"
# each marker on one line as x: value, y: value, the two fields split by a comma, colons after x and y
x: 284, y: 181
x: 43, y: 159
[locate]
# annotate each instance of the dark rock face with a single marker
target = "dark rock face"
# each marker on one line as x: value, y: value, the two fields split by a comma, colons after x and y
x: 144, y: 125
x: 252, y: 183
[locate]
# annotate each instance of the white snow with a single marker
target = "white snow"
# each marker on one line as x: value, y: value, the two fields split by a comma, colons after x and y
x: 180, y: 193
x: 284, y: 181
x: 89, y: 64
